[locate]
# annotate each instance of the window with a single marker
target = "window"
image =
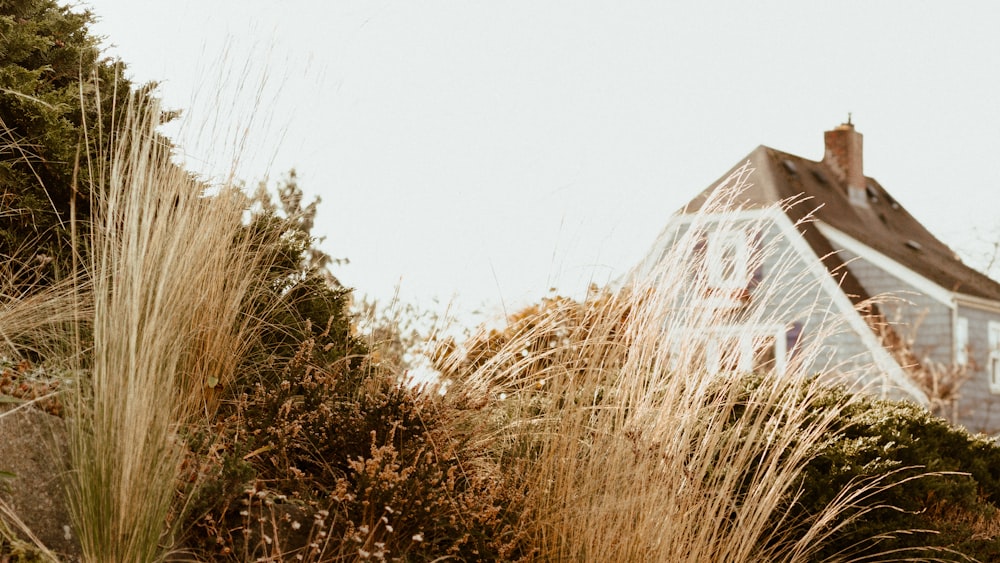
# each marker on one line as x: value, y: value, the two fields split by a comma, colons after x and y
x: 961, y: 341
x: 994, y: 361
x: 727, y: 259
x: 746, y: 350
x: 792, y: 337
x: 871, y: 193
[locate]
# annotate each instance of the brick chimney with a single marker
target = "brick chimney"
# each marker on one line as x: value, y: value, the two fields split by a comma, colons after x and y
x: 843, y: 156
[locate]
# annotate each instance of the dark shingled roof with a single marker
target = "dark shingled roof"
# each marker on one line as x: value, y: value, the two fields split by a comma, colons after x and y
x: 883, y: 225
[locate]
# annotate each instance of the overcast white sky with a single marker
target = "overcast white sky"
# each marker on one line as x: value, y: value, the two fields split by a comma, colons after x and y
x: 495, y: 149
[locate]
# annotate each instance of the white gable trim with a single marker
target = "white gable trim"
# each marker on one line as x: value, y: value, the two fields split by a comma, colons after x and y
x: 980, y: 303
x: 730, y: 216
x: 923, y: 285
x: 883, y: 360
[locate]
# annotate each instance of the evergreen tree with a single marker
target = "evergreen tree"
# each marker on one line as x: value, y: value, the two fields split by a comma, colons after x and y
x: 57, y: 103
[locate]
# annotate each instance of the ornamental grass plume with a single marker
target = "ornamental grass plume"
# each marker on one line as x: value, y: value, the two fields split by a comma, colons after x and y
x: 635, y: 433
x: 172, y: 271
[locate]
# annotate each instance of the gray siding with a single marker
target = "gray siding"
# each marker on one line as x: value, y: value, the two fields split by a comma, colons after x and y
x: 843, y: 353
x: 923, y: 321
x: 930, y: 325
x: 798, y: 298
x: 979, y: 408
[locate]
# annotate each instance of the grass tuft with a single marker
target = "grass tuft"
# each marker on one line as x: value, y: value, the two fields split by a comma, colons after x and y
x: 171, y: 271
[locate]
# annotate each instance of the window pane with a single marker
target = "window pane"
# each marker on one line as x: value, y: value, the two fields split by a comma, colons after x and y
x: 962, y: 341
x: 727, y: 258
x: 763, y: 359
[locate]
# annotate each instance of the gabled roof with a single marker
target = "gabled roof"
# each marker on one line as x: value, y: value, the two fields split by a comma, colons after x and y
x: 881, y: 222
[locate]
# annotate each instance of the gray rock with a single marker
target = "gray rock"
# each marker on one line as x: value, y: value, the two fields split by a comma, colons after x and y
x: 30, y: 446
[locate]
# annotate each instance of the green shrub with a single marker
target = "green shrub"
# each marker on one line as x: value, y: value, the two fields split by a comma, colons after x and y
x: 347, y: 452
x: 52, y: 111
x: 878, y: 436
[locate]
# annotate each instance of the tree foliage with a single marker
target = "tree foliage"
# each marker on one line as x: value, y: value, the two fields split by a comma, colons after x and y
x: 304, y: 299
x: 57, y: 103
x: 874, y: 437
x: 299, y: 221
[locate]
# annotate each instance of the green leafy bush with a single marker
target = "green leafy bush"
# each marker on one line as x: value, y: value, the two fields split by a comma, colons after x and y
x: 56, y: 94
x: 349, y: 453
x: 878, y: 436
x: 937, y: 484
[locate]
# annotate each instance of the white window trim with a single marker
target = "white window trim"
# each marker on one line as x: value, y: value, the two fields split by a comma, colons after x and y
x: 719, y: 243
x: 980, y: 303
x: 745, y: 336
x: 993, y: 360
x: 961, y: 341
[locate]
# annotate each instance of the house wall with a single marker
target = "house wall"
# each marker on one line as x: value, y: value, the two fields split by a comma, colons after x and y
x: 788, y: 289
x: 803, y: 299
x: 921, y: 320
x: 929, y: 324
x: 979, y: 408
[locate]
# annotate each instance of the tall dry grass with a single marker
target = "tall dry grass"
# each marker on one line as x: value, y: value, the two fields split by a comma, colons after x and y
x: 35, y: 318
x: 626, y: 447
x: 171, y: 272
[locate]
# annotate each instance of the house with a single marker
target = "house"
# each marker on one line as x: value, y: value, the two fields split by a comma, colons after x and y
x: 931, y: 333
